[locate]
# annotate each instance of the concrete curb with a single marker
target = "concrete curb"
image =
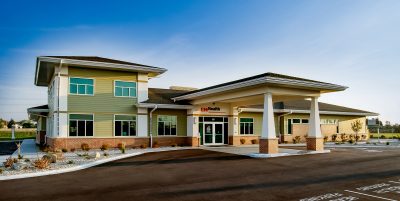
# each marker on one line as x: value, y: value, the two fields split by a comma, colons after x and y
x: 258, y: 155
x: 83, y: 166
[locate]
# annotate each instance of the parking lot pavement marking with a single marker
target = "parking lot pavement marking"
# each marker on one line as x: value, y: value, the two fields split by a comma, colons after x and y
x: 374, y: 196
x: 331, y: 197
x: 396, y: 182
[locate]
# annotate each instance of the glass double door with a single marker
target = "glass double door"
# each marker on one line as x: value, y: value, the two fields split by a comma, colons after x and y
x: 213, y: 133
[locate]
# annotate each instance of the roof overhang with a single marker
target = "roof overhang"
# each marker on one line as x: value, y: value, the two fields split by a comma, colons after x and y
x: 45, y: 68
x: 266, y: 81
x: 165, y: 106
x: 35, y: 113
x: 308, y: 112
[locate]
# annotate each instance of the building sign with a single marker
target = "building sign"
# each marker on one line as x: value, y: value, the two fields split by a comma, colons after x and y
x: 210, y: 109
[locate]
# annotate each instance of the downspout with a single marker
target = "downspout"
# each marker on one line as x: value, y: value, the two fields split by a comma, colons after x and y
x: 151, y: 125
x: 58, y: 97
x: 279, y: 123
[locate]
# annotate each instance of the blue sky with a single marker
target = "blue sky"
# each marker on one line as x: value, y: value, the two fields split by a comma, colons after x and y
x: 201, y: 43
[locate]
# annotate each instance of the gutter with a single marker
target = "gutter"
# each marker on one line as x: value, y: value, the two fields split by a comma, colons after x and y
x: 279, y: 123
x: 151, y: 124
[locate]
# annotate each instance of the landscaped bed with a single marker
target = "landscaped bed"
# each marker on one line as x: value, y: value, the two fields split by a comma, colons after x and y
x: 58, y: 162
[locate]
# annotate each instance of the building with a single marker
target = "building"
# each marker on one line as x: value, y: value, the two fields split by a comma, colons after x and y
x: 99, y: 101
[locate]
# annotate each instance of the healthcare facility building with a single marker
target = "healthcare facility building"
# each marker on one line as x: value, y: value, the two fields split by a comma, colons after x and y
x: 98, y: 101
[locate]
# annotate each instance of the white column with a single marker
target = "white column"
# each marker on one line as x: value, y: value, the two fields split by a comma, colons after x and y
x: 63, y: 125
x: 142, y: 86
x: 268, y: 125
x: 192, y: 124
x: 233, y: 122
x: 314, y: 128
x: 142, y: 123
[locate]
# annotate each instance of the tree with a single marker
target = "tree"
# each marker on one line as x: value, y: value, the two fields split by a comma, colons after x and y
x: 28, y: 124
x: 3, y: 123
x: 356, y: 126
x: 10, y: 123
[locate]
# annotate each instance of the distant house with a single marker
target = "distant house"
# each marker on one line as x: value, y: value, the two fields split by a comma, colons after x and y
x: 17, y: 126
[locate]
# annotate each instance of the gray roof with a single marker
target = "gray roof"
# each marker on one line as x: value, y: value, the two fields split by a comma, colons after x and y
x: 164, y: 96
x: 265, y: 75
x: 99, y: 59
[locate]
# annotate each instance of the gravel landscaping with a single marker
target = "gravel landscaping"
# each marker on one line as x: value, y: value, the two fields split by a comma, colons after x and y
x: 72, y: 159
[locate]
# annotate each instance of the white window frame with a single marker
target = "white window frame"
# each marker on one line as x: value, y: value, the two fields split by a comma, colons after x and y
x: 246, y: 123
x: 69, y: 86
x: 136, y: 94
x: 77, y: 126
x: 136, y: 134
x: 329, y: 121
x: 176, y: 134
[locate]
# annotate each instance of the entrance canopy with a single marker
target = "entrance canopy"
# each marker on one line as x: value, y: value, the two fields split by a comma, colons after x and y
x: 251, y: 90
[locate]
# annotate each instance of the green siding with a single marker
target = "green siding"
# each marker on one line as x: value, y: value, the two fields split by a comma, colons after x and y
x: 103, y: 125
x: 102, y: 104
x: 181, y: 116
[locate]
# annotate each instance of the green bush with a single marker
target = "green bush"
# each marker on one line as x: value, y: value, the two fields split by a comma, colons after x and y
x: 383, y: 136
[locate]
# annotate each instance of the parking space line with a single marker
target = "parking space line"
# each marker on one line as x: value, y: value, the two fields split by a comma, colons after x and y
x: 369, y: 195
x: 395, y: 182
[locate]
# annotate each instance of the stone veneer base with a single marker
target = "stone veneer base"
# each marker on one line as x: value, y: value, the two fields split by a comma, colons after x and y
x: 269, y: 146
x: 75, y: 142
x: 315, y: 144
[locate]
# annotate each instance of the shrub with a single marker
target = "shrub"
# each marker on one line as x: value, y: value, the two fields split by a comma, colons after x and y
x: 357, y: 138
x: 296, y: 139
x: 85, y: 147
x: 326, y: 139
x: 174, y: 145
x: 41, y: 163
x: 383, y: 136
x: 27, y: 160
x: 72, y: 150
x: 105, y: 154
x: 9, y: 162
x: 343, y: 137
x: 143, y: 146
x: 121, y: 147
x: 371, y: 136
x: 387, y: 143
x: 242, y: 141
x: 1, y: 171
x: 351, y: 141
x: 104, y: 147
x: 254, y: 141
x: 155, y: 144
x: 363, y: 137
x: 351, y: 137
x: 64, y: 150
x: 70, y: 162
x: 20, y: 156
x: 334, y: 137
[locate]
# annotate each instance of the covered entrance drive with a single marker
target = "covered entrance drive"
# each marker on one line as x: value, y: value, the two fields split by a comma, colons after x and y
x: 264, y: 89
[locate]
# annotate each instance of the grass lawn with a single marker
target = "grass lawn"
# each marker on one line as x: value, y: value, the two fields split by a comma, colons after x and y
x: 19, y: 134
x: 387, y: 135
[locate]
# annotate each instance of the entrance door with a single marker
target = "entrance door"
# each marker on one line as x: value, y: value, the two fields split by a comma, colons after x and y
x: 213, y: 133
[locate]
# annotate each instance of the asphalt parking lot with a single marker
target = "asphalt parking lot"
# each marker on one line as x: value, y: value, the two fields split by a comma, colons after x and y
x: 344, y: 174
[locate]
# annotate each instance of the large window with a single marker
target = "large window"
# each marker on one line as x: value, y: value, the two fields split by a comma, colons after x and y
x: 125, y: 125
x: 81, y: 125
x: 81, y: 86
x: 246, y: 126
x: 166, y: 125
x: 124, y: 89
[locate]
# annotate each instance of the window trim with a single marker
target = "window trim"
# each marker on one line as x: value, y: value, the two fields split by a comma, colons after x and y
x: 69, y: 86
x: 85, y: 125
x: 176, y: 134
x: 240, y: 133
x: 136, y: 94
x: 129, y: 136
